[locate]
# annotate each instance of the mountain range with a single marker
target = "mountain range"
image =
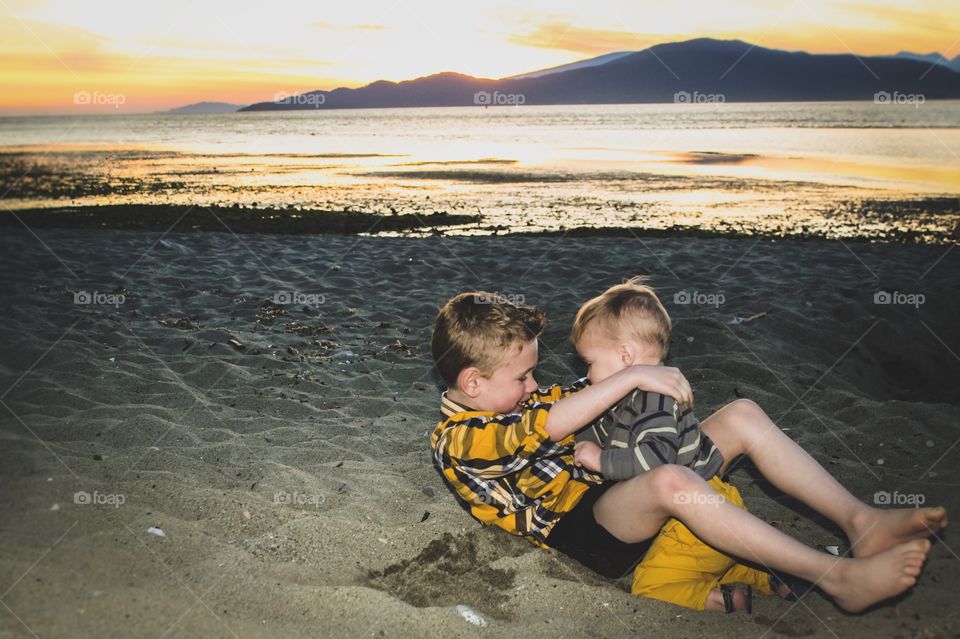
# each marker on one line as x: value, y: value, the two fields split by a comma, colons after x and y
x: 207, y: 107
x: 932, y: 58
x: 699, y: 70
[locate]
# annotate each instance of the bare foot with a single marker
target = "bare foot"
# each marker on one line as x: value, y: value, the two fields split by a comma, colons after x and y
x: 714, y: 601
x: 856, y: 584
x: 878, y: 530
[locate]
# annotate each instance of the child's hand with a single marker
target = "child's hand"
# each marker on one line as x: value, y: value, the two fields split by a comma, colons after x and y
x: 587, y: 455
x: 665, y: 380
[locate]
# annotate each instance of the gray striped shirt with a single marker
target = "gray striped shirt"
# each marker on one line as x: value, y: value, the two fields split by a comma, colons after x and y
x: 645, y: 430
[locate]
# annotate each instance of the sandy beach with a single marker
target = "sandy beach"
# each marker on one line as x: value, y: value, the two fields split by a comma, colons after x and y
x: 265, y: 401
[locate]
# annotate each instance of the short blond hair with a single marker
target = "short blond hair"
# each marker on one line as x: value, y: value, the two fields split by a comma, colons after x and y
x: 479, y: 329
x: 630, y: 310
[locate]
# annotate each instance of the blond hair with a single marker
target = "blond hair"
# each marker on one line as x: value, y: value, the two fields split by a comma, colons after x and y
x: 479, y: 329
x: 630, y: 310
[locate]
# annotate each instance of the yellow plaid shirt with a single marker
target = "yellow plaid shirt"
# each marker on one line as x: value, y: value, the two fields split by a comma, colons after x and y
x: 505, y: 470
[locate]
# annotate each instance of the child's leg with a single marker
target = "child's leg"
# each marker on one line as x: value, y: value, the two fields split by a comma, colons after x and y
x: 733, y: 573
x: 678, y: 555
x: 635, y: 509
x: 741, y: 427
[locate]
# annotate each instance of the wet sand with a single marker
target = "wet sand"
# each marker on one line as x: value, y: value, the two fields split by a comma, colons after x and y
x: 696, y: 193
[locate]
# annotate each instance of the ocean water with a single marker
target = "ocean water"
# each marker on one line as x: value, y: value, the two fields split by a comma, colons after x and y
x: 835, y: 168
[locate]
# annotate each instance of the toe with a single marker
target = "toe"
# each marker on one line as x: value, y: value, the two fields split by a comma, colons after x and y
x: 913, y: 547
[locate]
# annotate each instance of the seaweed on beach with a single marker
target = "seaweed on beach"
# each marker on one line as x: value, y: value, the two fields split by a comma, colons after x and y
x: 482, y: 177
x: 32, y: 177
x: 925, y: 220
x: 149, y: 217
x: 903, y: 207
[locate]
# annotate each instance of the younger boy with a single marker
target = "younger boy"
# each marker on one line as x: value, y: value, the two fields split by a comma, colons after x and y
x: 628, y: 324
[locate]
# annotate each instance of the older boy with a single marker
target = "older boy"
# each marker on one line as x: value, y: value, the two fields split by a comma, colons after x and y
x: 504, y: 450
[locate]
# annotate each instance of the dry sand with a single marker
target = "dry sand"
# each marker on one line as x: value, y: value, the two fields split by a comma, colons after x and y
x: 290, y: 469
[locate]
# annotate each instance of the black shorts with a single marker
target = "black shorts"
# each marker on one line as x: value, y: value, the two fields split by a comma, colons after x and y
x: 578, y: 535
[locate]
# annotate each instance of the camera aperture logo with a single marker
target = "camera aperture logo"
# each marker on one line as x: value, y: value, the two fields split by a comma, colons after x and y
x: 898, y: 298
x: 98, y: 298
x: 485, y: 98
x: 296, y: 297
x: 699, y: 298
x: 96, y: 498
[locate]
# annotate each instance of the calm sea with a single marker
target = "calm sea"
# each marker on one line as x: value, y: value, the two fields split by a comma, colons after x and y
x: 765, y: 166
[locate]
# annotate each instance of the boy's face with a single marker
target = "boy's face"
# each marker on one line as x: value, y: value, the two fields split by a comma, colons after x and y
x: 510, y: 385
x: 601, y: 354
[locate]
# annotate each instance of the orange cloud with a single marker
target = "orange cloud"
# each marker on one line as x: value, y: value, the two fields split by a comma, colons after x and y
x: 880, y: 31
x: 42, y: 84
x: 895, y: 20
x: 563, y: 36
x: 43, y: 66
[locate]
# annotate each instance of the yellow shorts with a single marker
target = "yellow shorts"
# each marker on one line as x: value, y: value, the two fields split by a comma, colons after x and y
x: 681, y: 569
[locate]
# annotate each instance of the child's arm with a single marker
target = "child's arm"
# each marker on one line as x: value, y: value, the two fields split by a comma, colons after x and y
x: 551, y: 394
x: 575, y: 411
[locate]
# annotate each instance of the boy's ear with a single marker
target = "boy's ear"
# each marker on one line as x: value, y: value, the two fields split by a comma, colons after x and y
x: 468, y: 381
x: 627, y: 354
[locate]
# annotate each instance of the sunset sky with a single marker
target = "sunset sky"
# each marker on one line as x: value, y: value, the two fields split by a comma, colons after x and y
x: 146, y: 56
